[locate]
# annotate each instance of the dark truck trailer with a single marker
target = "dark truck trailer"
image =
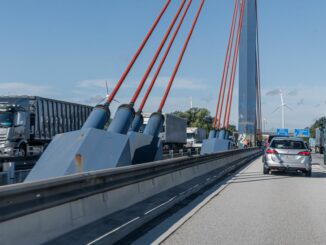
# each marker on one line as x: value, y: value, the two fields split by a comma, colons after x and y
x: 173, y: 133
x: 28, y: 123
x: 320, y: 140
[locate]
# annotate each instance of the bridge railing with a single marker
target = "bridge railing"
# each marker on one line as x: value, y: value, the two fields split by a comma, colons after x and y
x: 168, y: 154
x: 15, y: 169
x: 125, y: 185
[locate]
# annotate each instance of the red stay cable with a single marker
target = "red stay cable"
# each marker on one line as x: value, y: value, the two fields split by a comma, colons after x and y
x: 125, y: 73
x: 226, y: 68
x: 158, y: 51
x: 234, y: 68
x: 176, y: 68
x: 149, y: 89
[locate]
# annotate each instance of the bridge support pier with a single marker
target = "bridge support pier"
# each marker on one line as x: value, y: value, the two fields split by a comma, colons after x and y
x: 137, y: 122
x: 147, y: 146
x: 248, y: 75
x: 122, y: 120
x: 81, y: 151
x: 212, y: 134
x: 220, y: 142
x: 98, y: 117
x: 87, y: 149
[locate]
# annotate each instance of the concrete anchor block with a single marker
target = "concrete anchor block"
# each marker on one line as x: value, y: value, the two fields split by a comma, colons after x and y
x: 81, y: 151
x: 215, y: 145
x: 144, y: 148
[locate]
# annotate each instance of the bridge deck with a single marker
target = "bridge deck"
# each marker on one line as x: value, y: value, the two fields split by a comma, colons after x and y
x: 259, y: 209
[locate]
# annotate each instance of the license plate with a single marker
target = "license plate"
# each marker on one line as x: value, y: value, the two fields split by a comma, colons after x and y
x: 289, y: 157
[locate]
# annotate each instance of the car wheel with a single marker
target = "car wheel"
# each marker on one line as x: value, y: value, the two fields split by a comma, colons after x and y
x: 308, y: 173
x: 266, y: 170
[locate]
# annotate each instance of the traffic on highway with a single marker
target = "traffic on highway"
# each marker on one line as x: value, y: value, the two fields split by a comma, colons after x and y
x: 162, y: 122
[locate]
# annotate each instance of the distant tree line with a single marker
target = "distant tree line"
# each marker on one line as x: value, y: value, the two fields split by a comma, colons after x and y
x: 317, y: 124
x: 200, y: 118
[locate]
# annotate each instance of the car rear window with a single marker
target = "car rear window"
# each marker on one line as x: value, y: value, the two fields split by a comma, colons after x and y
x: 273, y: 136
x: 288, y: 144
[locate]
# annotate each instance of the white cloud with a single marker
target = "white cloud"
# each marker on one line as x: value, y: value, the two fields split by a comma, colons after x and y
x: 20, y: 88
x: 161, y: 82
x: 292, y: 93
x: 96, y: 83
x: 303, y: 102
x: 93, y: 90
x: 181, y: 83
x: 273, y: 92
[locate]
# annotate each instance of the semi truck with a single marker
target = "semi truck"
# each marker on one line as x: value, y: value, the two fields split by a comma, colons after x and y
x: 320, y: 140
x: 195, y: 136
x: 28, y: 123
x: 173, y: 132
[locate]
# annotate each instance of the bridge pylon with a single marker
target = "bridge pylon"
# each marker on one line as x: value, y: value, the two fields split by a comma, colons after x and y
x: 249, y: 81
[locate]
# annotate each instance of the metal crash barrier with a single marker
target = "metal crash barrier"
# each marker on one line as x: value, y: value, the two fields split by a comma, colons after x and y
x: 15, y: 169
x: 45, y: 210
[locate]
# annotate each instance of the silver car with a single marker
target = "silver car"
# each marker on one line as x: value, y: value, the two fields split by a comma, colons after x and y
x: 287, y: 154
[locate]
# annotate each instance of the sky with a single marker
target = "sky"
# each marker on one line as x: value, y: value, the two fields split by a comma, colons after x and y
x: 69, y: 49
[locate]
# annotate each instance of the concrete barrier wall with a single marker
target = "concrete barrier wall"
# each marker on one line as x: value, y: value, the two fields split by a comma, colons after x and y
x: 44, y: 225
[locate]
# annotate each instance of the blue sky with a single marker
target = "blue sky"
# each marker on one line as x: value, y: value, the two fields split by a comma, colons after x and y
x: 67, y: 49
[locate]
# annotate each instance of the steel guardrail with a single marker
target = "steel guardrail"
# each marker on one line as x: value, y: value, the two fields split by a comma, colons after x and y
x: 18, y: 159
x: 20, y: 162
x: 25, y: 198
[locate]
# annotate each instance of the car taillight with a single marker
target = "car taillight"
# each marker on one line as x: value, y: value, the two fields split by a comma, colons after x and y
x: 304, y: 153
x: 271, y: 151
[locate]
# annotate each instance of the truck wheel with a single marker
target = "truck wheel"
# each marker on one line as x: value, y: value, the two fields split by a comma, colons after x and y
x: 308, y: 173
x: 265, y: 170
x: 22, y: 151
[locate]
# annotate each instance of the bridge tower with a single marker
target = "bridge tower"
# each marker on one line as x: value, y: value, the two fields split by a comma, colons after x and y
x: 248, y: 74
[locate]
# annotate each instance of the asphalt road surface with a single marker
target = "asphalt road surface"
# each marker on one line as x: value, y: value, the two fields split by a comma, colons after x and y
x: 254, y: 208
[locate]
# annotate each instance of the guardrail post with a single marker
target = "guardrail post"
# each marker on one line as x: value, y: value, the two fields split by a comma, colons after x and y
x: 9, y: 168
x: 171, y: 153
x: 189, y: 152
x: 181, y: 152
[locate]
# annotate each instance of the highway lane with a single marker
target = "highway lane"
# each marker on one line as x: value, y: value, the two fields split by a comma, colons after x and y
x: 259, y: 209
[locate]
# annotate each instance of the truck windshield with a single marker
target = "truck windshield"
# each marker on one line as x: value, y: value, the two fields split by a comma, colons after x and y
x: 6, y: 119
x: 190, y: 135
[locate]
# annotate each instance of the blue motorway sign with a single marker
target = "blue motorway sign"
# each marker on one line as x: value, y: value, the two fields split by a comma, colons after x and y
x: 282, y: 131
x: 301, y: 133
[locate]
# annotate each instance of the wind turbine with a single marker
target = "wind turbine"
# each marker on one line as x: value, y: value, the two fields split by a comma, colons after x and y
x: 282, y: 106
x: 107, y: 94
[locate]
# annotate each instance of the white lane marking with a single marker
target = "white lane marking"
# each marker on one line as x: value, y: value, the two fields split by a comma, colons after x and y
x: 162, y: 204
x: 195, y: 186
x: 189, y: 215
x: 184, y: 192
x: 110, y: 232
x: 189, y: 189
